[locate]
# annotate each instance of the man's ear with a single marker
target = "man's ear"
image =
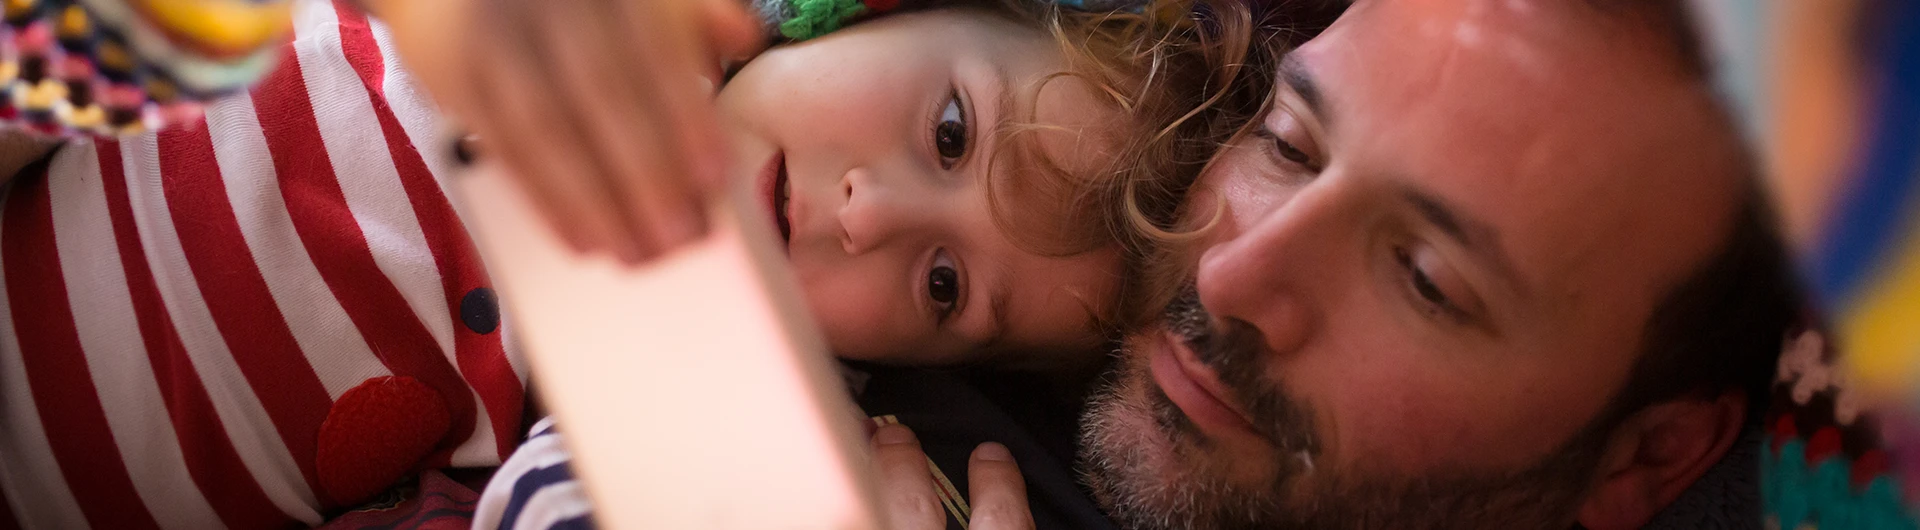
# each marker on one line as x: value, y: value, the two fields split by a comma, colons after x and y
x: 1656, y: 454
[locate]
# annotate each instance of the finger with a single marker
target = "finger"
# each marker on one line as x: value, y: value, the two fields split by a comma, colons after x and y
x: 906, y: 483
x: 676, y: 99
x: 632, y: 176
x: 644, y: 175
x: 998, y: 493
x: 699, y: 140
x: 732, y: 32
x: 550, y: 198
x: 525, y: 135
x: 672, y: 195
x: 666, y: 190
x: 430, y: 36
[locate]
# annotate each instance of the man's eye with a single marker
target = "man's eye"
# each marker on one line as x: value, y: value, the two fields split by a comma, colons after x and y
x: 1285, y: 153
x: 1423, y: 283
x: 950, y: 133
x: 943, y: 284
x: 1289, y: 152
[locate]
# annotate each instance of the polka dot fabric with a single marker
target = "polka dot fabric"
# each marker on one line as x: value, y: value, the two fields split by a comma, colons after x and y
x: 119, y: 67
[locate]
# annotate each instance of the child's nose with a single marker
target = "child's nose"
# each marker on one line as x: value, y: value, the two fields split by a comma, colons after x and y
x: 861, y: 219
x: 875, y: 213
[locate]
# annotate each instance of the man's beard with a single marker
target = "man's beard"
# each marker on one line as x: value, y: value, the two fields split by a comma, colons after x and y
x: 1150, y: 466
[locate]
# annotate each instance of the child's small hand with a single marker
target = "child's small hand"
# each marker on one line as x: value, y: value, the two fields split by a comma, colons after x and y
x: 597, y: 105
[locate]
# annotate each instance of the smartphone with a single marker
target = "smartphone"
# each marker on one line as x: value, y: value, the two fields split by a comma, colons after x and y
x: 694, y: 391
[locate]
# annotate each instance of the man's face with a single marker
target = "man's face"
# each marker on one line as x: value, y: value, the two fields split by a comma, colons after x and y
x: 1437, y: 263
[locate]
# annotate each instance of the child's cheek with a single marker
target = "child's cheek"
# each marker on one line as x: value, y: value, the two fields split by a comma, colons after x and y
x: 855, y: 318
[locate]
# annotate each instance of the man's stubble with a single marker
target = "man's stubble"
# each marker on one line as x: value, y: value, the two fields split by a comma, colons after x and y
x: 1147, y: 463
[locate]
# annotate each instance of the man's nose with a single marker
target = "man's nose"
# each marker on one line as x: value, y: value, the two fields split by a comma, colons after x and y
x: 1272, y: 272
x: 877, y: 212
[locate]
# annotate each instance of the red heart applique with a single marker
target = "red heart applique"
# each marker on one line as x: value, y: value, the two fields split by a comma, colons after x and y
x: 375, y: 434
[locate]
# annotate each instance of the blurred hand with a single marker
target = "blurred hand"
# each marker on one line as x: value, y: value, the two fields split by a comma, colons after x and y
x: 603, y: 109
x: 996, y: 491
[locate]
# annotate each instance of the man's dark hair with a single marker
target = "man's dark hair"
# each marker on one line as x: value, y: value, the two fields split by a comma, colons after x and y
x: 1670, y: 21
x: 1721, y: 329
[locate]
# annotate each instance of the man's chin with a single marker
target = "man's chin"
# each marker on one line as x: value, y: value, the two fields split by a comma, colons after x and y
x: 1144, y: 462
x: 1129, y: 458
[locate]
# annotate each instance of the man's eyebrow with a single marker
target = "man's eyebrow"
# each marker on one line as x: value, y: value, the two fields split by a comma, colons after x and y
x: 1295, y: 75
x: 1476, y: 235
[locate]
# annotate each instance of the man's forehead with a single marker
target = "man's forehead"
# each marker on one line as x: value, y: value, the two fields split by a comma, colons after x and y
x: 1509, y: 30
x: 1482, y: 62
x: 1569, y: 136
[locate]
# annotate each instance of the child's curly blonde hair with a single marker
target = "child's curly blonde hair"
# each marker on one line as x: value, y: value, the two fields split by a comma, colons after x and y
x: 1189, y: 77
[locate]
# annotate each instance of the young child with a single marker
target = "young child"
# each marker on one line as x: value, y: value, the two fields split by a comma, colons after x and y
x: 963, y: 184
x: 883, y: 158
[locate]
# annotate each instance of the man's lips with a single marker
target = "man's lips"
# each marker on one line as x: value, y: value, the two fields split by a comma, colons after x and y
x: 1195, y: 388
x: 776, y: 192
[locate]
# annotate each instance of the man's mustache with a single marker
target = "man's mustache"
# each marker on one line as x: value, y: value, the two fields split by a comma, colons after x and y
x: 1237, y: 352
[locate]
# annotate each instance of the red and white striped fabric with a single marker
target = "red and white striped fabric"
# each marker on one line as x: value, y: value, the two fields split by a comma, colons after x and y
x: 181, y: 311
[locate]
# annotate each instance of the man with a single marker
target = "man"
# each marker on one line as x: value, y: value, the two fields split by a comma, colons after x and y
x: 1486, y: 265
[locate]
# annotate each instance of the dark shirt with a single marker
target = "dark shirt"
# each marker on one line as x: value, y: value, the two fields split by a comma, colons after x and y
x: 953, y: 411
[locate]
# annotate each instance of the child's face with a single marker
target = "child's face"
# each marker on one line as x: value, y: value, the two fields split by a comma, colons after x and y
x: 875, y: 142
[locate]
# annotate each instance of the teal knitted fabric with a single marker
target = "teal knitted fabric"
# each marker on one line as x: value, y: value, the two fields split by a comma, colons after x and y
x: 1820, y: 494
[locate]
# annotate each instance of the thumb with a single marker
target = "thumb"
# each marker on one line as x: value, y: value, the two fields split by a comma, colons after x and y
x: 998, y: 492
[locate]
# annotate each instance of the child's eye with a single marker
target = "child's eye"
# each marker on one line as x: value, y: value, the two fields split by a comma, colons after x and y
x: 950, y: 133
x: 943, y: 284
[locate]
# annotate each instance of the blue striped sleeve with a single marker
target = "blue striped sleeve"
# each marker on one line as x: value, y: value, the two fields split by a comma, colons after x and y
x: 535, y: 488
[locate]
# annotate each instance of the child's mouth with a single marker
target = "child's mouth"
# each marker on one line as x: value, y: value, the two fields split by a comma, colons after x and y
x: 780, y: 194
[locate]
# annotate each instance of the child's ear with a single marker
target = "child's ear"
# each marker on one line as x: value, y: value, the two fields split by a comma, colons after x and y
x: 1656, y: 454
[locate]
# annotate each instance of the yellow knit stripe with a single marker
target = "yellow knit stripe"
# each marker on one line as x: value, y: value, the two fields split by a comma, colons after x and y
x: 1880, y: 333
